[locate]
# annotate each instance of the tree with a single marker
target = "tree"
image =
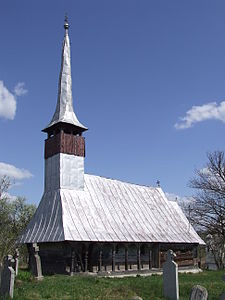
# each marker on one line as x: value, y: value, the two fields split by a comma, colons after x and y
x: 15, y: 214
x: 207, y: 211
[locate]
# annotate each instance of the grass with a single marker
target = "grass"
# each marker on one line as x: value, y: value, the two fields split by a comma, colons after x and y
x: 89, y: 287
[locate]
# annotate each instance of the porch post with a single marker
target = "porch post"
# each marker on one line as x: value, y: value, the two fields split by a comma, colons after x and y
x: 159, y: 256
x: 126, y: 257
x: 138, y: 257
x: 100, y: 261
x: 113, y: 258
x: 72, y: 268
x: 156, y: 255
x: 86, y: 258
x: 150, y: 258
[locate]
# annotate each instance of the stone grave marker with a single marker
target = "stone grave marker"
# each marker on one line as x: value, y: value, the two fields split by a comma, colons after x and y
x: 7, y: 277
x: 198, y: 292
x: 170, y: 277
x: 36, y: 263
x: 16, y: 258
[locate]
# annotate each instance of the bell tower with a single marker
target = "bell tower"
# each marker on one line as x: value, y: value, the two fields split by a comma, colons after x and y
x: 65, y: 145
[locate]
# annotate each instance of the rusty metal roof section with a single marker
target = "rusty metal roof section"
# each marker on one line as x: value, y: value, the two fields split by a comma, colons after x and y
x: 64, y: 110
x: 109, y: 211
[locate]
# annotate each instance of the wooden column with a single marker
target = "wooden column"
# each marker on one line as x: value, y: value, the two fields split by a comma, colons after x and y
x: 73, y: 262
x: 113, y: 258
x: 156, y: 255
x: 150, y: 258
x: 86, y: 259
x: 126, y: 257
x: 159, y: 256
x: 200, y: 256
x: 100, y: 261
x: 138, y: 257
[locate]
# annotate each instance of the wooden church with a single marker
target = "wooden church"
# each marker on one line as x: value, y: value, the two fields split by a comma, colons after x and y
x: 91, y: 223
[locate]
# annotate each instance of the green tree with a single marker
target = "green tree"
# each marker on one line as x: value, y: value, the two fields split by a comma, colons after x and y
x: 15, y: 214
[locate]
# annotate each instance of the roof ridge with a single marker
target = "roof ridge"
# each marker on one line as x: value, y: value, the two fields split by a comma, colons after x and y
x: 126, y: 182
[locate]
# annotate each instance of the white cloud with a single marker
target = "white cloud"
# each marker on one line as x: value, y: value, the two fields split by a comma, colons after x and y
x: 208, y: 111
x: 7, y: 103
x: 19, y: 89
x: 13, y: 172
x: 8, y: 100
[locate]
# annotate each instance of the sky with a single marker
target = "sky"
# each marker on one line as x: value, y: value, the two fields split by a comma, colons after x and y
x: 148, y: 81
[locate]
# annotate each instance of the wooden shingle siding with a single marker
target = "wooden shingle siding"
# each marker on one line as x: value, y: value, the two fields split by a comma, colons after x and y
x: 65, y: 143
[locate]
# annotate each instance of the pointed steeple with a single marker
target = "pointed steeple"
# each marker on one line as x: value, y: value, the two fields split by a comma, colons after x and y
x: 64, y: 113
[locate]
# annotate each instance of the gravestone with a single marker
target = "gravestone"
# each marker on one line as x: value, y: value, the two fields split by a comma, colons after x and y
x: 198, y: 292
x: 209, y: 256
x: 7, y: 277
x: 170, y: 277
x: 36, y: 262
x: 16, y: 258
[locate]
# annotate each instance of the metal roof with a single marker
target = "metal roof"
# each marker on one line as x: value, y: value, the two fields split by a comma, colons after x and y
x: 109, y: 210
x: 64, y: 110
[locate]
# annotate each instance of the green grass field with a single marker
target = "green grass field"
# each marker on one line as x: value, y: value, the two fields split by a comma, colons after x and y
x: 89, y: 287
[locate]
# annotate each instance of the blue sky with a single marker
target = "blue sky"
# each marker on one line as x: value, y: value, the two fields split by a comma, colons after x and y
x: 148, y: 82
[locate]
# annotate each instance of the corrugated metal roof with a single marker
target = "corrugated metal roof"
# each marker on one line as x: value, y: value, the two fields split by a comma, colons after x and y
x: 109, y: 211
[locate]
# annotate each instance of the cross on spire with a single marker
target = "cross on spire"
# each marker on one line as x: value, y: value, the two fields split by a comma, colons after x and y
x: 66, y: 23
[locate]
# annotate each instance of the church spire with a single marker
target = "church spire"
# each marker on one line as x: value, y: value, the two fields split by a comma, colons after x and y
x: 64, y: 113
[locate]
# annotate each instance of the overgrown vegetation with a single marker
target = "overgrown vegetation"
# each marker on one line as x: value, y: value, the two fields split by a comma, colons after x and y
x: 15, y: 214
x: 89, y: 287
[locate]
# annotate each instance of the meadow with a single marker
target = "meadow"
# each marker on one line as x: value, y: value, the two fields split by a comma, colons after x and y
x: 94, y: 287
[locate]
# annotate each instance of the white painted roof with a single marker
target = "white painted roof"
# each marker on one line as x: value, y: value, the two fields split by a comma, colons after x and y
x: 109, y: 211
x: 64, y: 110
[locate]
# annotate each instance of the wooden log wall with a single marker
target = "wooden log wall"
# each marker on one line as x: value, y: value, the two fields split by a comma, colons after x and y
x: 65, y: 143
